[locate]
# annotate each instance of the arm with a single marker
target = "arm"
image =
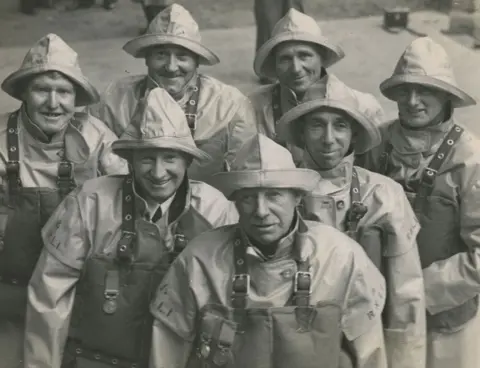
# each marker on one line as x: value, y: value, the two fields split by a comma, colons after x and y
x: 102, y: 111
x: 51, y: 291
x: 174, y: 309
x: 453, y: 281
x: 362, y: 321
x: 404, y: 313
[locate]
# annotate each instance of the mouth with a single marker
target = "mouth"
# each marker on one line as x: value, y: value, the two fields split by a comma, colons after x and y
x: 264, y: 227
x: 298, y: 79
x: 415, y: 112
x: 52, y: 115
x: 159, y: 183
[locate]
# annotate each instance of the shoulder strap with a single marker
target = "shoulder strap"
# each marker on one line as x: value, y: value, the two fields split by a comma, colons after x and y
x: 13, y: 165
x: 427, y: 181
x: 65, y: 176
x: 125, y: 246
x: 277, y: 110
x: 357, y: 208
x: 192, y: 107
x: 385, y: 159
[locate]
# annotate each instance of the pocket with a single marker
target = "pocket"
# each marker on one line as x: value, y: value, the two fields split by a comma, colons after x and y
x: 297, y: 346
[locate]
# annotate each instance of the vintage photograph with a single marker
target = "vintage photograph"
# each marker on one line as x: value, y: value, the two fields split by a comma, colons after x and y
x: 239, y: 184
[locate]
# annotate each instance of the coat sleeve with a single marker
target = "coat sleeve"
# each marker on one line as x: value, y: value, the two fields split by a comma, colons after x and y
x: 52, y: 287
x: 362, y: 321
x: 453, y: 281
x: 103, y: 112
x: 404, y: 313
x: 174, y: 310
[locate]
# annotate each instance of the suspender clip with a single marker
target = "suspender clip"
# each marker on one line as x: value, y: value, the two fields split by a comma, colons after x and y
x: 303, y: 282
x: 241, y: 284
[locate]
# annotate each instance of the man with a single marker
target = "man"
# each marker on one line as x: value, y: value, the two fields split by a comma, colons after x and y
x: 273, y: 290
x: 267, y: 14
x: 298, y: 55
x: 219, y: 116
x: 370, y: 208
x: 109, y: 244
x: 437, y: 162
x: 46, y: 149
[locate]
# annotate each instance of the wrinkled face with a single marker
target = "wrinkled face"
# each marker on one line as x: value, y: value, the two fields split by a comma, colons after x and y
x: 171, y: 67
x: 159, y: 172
x: 266, y: 215
x: 298, y: 65
x: 327, y: 135
x: 419, y: 105
x: 50, y: 101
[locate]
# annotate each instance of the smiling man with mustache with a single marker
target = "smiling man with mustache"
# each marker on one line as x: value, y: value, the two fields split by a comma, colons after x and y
x: 46, y: 150
x: 220, y: 117
x: 297, y: 56
x: 111, y: 241
x: 438, y: 164
x: 273, y: 290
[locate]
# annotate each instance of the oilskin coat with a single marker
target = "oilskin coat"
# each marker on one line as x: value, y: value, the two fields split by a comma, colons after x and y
x: 386, y: 227
x: 197, y: 325
x: 272, y: 101
x: 449, y: 239
x: 35, y: 174
x: 224, y: 120
x: 88, y: 304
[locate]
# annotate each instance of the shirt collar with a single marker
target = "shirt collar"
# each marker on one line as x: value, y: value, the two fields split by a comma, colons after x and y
x: 182, y: 97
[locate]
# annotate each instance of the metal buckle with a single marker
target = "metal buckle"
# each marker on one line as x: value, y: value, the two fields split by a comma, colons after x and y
x: 239, y: 278
x: 65, y: 170
x: 429, y: 177
x: 299, y: 274
x: 193, y: 119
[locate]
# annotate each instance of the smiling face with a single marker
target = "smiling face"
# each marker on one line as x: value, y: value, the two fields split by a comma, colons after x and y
x: 266, y: 215
x: 298, y: 65
x: 327, y: 136
x: 172, y: 67
x: 159, y: 172
x: 418, y: 105
x: 49, y: 100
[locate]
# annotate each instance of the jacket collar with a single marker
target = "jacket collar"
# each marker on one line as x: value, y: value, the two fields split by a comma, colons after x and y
x: 285, y: 245
x: 425, y: 141
x: 289, y: 99
x: 334, y: 180
x: 179, y: 206
x: 149, y: 83
x: 34, y: 130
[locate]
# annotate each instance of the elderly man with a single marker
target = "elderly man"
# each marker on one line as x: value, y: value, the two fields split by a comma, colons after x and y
x: 219, y: 116
x: 438, y: 164
x: 298, y: 55
x: 370, y: 208
x: 46, y: 149
x: 273, y: 290
x: 109, y: 244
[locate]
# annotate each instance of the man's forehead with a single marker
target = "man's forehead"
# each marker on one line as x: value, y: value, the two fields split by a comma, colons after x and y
x: 156, y: 151
x: 170, y: 48
x: 262, y: 190
x: 52, y: 77
x: 295, y: 46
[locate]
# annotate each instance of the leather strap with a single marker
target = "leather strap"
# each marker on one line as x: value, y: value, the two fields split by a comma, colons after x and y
x: 357, y: 208
x: 277, y: 110
x: 192, y: 107
x: 125, y: 246
x: 430, y: 173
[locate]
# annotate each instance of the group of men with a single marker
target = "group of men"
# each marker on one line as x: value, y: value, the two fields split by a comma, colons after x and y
x: 176, y: 222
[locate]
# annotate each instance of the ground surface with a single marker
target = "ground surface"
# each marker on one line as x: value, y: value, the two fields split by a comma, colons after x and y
x: 98, y: 36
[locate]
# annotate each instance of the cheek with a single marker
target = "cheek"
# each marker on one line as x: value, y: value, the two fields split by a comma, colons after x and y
x: 68, y: 101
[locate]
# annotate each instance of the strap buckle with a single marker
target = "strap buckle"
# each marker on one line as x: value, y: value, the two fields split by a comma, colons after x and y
x: 303, y: 282
x: 65, y: 170
x: 12, y: 167
x: 429, y: 177
x: 192, y: 121
x: 241, y: 284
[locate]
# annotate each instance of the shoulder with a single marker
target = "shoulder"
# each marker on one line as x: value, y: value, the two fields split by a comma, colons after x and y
x: 122, y: 86
x: 372, y: 183
x: 214, y: 89
x: 102, y: 187
x: 208, y: 201
x: 92, y: 127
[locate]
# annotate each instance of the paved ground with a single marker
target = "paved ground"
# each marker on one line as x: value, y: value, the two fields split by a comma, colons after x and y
x: 371, y: 56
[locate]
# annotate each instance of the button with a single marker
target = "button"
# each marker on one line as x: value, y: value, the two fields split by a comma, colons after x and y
x: 287, y: 274
x: 340, y: 205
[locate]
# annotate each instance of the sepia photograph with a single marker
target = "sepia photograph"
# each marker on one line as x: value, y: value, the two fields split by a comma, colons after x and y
x: 239, y: 183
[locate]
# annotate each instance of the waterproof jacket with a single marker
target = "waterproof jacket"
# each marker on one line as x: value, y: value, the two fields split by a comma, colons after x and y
x: 87, y: 144
x: 196, y: 295
x: 224, y: 120
x: 387, y: 230
x: 447, y: 208
x: 84, y: 232
x: 263, y: 101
